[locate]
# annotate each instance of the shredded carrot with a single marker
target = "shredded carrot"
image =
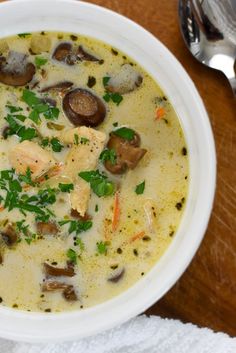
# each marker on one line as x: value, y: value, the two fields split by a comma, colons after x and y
x: 116, y: 213
x: 137, y: 236
x: 160, y: 112
x: 1, y: 208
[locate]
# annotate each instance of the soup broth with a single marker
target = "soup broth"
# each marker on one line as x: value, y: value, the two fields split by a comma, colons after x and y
x: 93, y: 172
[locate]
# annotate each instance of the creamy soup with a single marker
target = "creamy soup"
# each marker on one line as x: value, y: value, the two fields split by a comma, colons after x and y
x: 93, y: 172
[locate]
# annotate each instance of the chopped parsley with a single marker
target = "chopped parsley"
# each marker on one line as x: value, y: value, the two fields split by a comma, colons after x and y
x: 80, y: 243
x: 24, y: 230
x: 16, y: 198
x: 15, y: 128
x: 38, y: 107
x: 102, y: 247
x: 56, y: 145
x: 125, y: 133
x: 27, y: 178
x: 80, y: 140
x: 13, y: 109
x: 66, y: 187
x: 77, y: 226
x: 24, y: 35
x: 96, y: 208
x: 114, y: 97
x: 105, y: 80
x: 109, y: 96
x: 140, y: 188
x: 72, y: 255
x: 39, y: 61
x: 98, y: 182
x: 108, y: 155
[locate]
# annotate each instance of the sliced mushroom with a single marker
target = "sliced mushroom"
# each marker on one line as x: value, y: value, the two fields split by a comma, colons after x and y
x: 64, y: 53
x: 117, y: 275
x: 51, y: 286
x: 68, y: 289
x: 60, y: 86
x: 83, y: 55
x: 15, y: 70
x: 58, y: 271
x: 9, y: 235
x: 125, y: 81
x: 75, y: 214
x: 49, y: 101
x: 69, y: 293
x: 128, y: 153
x: 46, y: 228
x: 84, y: 108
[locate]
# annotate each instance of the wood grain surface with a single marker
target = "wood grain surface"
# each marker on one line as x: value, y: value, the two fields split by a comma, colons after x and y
x: 206, y: 293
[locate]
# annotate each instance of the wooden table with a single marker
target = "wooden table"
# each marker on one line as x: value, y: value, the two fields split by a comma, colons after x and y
x: 206, y: 293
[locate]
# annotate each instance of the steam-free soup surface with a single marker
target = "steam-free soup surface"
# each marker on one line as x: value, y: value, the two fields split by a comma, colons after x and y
x: 93, y: 172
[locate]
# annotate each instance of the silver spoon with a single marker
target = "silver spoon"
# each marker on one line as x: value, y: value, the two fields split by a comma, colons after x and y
x: 209, y: 31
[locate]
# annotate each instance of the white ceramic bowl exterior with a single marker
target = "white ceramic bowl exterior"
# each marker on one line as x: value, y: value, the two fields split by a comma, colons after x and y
x: 78, y: 17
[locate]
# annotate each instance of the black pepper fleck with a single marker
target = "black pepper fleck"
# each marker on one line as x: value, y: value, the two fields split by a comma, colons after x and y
x: 184, y: 151
x: 119, y: 251
x: 178, y: 206
x: 135, y: 251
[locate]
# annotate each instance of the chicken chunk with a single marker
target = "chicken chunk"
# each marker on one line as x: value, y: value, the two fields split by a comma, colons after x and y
x: 28, y: 154
x: 87, y: 144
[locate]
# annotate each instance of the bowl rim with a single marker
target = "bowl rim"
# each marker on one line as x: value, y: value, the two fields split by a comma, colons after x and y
x: 24, y: 326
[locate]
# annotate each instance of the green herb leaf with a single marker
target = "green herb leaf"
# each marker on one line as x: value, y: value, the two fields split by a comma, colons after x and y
x: 98, y: 182
x: 125, y: 133
x: 24, y: 35
x: 71, y: 254
x: 107, y: 97
x: 34, y: 116
x: 108, y: 155
x: 27, y: 178
x: 84, y: 140
x: 80, y: 243
x: 116, y: 98
x: 105, y: 80
x: 39, y: 61
x: 96, y: 208
x: 140, y: 188
x: 66, y: 187
x: 77, y: 226
x: 102, y: 247
x: 52, y: 113
x: 76, y: 139
x: 45, y: 142
x: 27, y: 133
x: 13, y: 109
x: 30, y: 98
x: 56, y: 145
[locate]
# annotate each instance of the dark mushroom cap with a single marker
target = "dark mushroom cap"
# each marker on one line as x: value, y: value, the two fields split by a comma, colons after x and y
x: 128, y: 153
x: 64, y: 53
x: 84, y: 108
x: 60, y: 86
x: 82, y: 54
x: 15, y: 71
x: 9, y: 235
x: 68, y: 290
x: 117, y: 275
x: 58, y: 271
x: 46, y: 228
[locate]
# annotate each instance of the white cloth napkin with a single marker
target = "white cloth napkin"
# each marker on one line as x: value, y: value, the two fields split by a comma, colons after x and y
x: 140, y: 335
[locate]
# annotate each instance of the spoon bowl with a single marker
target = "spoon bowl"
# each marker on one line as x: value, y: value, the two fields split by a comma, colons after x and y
x: 211, y: 38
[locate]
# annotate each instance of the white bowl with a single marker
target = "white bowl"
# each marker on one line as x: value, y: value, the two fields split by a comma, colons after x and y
x: 78, y: 17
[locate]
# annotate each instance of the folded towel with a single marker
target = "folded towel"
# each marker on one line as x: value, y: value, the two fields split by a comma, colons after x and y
x: 140, y: 335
